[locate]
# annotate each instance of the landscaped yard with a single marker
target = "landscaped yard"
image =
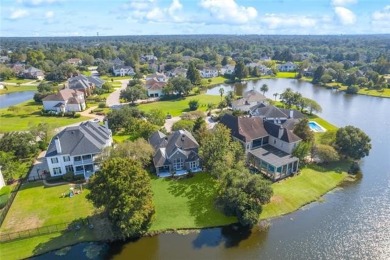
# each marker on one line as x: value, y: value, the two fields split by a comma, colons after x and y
x: 21, y: 81
x: 176, y: 107
x: 213, y: 81
x: 309, y: 185
x: 187, y: 203
x: 28, y: 113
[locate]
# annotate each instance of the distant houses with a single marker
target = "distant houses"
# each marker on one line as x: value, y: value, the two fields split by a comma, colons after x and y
x: 175, y: 154
x: 209, y: 72
x: 32, y: 73
x: 121, y: 70
x: 84, y: 84
x: 66, y: 100
x: 76, y: 149
x: 250, y: 99
x: 287, y: 67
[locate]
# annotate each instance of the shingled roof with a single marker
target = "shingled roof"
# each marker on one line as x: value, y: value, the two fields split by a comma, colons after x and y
x: 287, y: 135
x: 86, y: 138
x: 70, y: 95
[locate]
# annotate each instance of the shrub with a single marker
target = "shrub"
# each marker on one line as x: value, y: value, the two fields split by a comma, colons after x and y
x: 354, y: 169
x: 3, y: 200
x: 102, y: 105
x: 352, y: 89
x: 193, y: 104
x: 77, y: 115
x: 69, y: 176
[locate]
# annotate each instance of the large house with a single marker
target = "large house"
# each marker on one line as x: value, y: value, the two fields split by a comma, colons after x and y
x: 268, y: 146
x: 175, y: 154
x: 249, y: 99
x: 82, y: 83
x: 32, y: 73
x: 74, y: 61
x: 209, y: 72
x: 155, y: 83
x: 227, y: 70
x: 65, y: 100
x: 122, y: 70
x: 76, y: 149
x: 287, y: 67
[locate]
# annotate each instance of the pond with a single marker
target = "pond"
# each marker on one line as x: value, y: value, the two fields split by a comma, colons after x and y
x: 15, y: 98
x: 352, y: 222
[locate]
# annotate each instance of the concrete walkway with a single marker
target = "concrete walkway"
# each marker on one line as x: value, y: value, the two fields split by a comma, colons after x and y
x: 113, y: 98
x: 39, y: 166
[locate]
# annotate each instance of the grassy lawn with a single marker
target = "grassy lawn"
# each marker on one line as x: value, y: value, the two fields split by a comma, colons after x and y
x: 328, y: 126
x: 177, y: 106
x: 11, y: 89
x: 21, y: 81
x: 375, y: 93
x: 288, y: 75
x: 214, y: 81
x: 114, y: 77
x: 29, y: 113
x: 187, y: 203
x: 309, y: 185
x: 36, y: 206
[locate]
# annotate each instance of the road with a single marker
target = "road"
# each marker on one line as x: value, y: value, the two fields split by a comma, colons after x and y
x: 113, y: 98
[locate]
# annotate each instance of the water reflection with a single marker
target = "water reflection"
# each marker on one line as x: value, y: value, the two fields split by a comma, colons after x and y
x: 15, y: 98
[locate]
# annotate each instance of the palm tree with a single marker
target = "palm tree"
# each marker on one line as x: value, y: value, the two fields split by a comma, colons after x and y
x: 221, y: 92
x: 275, y: 95
x: 264, y: 88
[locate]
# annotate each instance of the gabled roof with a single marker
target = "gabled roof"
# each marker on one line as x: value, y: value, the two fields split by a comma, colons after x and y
x: 65, y: 95
x: 79, y: 82
x: 275, y: 112
x: 287, y: 135
x: 96, y: 80
x: 254, y: 96
x: 158, y: 139
x: 86, y: 138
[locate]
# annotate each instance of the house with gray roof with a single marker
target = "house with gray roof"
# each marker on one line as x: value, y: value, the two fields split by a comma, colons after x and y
x: 81, y: 83
x: 32, y: 73
x: 249, y: 99
x: 268, y: 146
x: 175, y: 154
x: 65, y: 100
x: 77, y: 148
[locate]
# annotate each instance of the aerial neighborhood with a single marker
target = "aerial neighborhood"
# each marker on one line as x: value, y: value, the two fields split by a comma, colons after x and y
x: 118, y: 138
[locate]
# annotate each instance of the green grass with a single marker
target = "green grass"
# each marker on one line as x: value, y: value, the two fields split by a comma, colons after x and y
x: 309, y: 185
x: 21, y: 81
x: 37, y: 206
x: 328, y: 126
x: 11, y: 89
x: 29, y: 113
x: 108, y: 78
x: 186, y: 203
x: 288, y: 75
x: 119, y: 138
x: 177, y: 106
x: 376, y: 93
x: 214, y: 81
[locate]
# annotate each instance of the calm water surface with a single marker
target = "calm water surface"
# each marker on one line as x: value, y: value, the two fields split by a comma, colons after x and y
x: 15, y: 98
x: 353, y: 222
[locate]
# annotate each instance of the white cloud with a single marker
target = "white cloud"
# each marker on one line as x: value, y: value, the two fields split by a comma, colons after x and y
x: 37, y: 2
x: 18, y: 13
x: 274, y: 21
x: 382, y: 15
x: 343, y: 2
x: 149, y: 11
x: 345, y: 16
x: 229, y: 11
x: 49, y: 14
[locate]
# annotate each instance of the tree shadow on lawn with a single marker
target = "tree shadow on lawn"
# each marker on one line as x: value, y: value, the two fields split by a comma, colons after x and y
x: 338, y: 167
x: 95, y: 228
x: 200, y: 193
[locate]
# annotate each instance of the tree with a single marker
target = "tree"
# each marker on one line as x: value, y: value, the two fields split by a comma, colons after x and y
x: 318, y: 74
x: 180, y: 85
x: 221, y: 92
x: 119, y: 118
x: 352, y: 89
x: 44, y: 132
x: 264, y: 88
x: 198, y: 124
x: 312, y: 105
x: 303, y: 130
x: 156, y: 116
x: 326, y: 153
x: 240, y: 70
x: 275, y: 95
x: 132, y: 94
x: 183, y: 124
x: 20, y: 144
x: 193, y: 104
x: 139, y: 150
x: 352, y: 142
x: 288, y: 97
x: 11, y: 166
x: 242, y: 194
x: 224, y: 61
x: 122, y: 188
x: 302, y: 150
x: 193, y: 74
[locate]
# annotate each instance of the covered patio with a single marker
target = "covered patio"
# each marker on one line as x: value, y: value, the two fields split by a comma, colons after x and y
x: 273, y: 162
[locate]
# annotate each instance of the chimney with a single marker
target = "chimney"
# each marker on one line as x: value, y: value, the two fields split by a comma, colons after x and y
x: 281, y: 130
x: 291, y: 113
x: 58, y: 145
x: 106, y: 123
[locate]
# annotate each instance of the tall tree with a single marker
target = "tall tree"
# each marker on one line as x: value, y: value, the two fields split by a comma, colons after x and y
x: 193, y: 74
x: 122, y: 188
x: 318, y: 74
x: 20, y: 144
x: 264, y: 88
x: 352, y: 142
x: 303, y: 130
x: 132, y: 94
x: 240, y: 70
x: 221, y: 92
x: 139, y: 150
x: 156, y: 116
x: 180, y: 85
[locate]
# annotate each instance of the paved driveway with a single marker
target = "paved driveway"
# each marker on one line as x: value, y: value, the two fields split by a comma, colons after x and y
x: 113, y: 98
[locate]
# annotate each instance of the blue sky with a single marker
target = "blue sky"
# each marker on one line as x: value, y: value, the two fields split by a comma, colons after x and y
x: 145, y: 17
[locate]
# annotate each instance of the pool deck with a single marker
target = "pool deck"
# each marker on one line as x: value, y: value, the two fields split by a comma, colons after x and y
x: 323, y: 129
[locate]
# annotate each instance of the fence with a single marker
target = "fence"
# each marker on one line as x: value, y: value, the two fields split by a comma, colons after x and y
x: 63, y: 227
x: 9, y: 202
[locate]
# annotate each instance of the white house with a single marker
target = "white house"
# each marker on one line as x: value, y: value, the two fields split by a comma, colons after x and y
x: 65, y: 100
x: 249, y: 99
x: 228, y: 70
x: 155, y: 87
x: 160, y: 77
x: 76, y: 149
x: 33, y: 73
x: 287, y: 67
x: 209, y: 72
x: 123, y: 71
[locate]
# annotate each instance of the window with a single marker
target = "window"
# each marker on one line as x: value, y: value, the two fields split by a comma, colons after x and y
x: 54, y: 160
x: 77, y: 158
x: 66, y: 158
x: 69, y: 168
x: 194, y: 165
x: 178, y: 164
x: 87, y: 157
x: 79, y: 168
x: 57, y: 171
x: 274, y: 141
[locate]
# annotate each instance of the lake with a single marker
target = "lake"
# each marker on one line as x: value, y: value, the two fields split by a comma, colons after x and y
x: 15, y: 98
x: 352, y: 222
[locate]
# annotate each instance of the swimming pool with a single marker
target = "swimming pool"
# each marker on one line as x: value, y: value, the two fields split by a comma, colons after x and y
x: 315, y: 127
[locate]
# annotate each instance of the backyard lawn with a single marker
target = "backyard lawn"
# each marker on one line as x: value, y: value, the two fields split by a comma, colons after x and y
x: 21, y: 81
x: 309, y: 185
x: 176, y: 107
x: 11, y: 89
x: 28, y: 113
x: 187, y: 203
